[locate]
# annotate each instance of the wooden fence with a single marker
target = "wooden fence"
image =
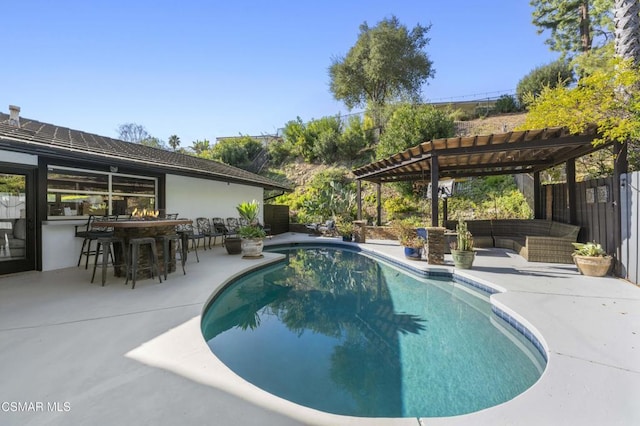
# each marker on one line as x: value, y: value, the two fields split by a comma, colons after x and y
x: 277, y: 216
x: 595, y: 215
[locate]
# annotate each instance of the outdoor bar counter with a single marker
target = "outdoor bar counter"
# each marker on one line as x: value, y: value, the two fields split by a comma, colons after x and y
x: 128, y: 229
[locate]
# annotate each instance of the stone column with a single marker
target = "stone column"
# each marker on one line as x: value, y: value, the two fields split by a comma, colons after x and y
x: 360, y: 231
x: 435, y: 245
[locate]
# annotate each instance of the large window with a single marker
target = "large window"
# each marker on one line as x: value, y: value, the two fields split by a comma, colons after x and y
x: 77, y: 192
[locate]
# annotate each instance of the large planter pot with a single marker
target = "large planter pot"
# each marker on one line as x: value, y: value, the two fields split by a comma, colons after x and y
x: 593, y: 266
x: 252, y: 248
x: 463, y: 259
x: 413, y: 253
x: 233, y: 245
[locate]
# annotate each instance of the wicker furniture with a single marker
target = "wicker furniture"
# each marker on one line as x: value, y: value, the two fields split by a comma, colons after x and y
x: 536, y: 240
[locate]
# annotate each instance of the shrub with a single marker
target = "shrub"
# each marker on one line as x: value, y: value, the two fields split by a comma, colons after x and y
x: 505, y: 104
x: 558, y: 73
x: 413, y: 124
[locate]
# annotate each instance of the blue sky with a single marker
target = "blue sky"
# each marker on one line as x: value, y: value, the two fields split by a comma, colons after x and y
x: 205, y: 69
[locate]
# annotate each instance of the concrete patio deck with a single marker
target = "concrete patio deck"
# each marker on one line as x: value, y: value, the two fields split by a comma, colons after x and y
x: 75, y: 353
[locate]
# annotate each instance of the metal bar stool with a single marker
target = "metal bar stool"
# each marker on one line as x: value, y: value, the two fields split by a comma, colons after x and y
x: 134, y: 249
x: 106, y: 247
x: 166, y: 252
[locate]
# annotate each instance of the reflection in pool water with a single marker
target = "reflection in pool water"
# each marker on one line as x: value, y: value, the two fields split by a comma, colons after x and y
x: 340, y: 332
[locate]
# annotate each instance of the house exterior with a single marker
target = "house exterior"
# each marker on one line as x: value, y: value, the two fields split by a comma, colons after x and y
x: 52, y: 178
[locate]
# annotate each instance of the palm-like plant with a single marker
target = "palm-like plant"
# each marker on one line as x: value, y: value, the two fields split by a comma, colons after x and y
x: 174, y: 142
x: 249, y: 212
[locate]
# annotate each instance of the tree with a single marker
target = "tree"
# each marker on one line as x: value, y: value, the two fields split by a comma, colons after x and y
x: 627, y: 29
x: 238, y: 152
x: 557, y: 73
x: 574, y: 24
x: 200, y: 146
x: 387, y: 62
x: 153, y: 142
x: 132, y: 132
x: 595, y: 101
x: 174, y: 142
x: 413, y: 124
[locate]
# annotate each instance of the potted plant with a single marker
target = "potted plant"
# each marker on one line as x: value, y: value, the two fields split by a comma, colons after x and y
x: 252, y: 234
x: 408, y: 237
x: 591, y: 259
x: 233, y: 245
x: 462, y: 248
x: 345, y: 229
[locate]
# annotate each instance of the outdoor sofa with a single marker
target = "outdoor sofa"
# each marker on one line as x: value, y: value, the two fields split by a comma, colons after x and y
x: 536, y: 240
x: 12, y: 237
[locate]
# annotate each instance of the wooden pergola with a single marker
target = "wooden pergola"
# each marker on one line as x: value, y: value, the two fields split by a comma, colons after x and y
x: 527, y: 151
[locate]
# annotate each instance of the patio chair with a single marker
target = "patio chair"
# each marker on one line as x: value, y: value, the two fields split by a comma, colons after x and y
x: 233, y: 224
x: 204, y: 229
x: 90, y: 234
x: 218, y: 229
x: 189, y: 235
x: 329, y: 227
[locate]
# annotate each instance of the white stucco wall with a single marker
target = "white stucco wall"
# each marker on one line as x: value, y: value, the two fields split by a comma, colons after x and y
x: 192, y: 198
x: 60, y: 247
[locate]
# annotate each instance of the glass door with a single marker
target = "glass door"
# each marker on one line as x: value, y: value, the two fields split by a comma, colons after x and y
x: 17, y: 236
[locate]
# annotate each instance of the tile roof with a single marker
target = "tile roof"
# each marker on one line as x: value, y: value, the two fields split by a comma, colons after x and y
x: 43, y: 138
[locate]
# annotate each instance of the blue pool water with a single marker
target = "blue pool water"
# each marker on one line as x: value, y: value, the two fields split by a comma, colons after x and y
x: 340, y: 332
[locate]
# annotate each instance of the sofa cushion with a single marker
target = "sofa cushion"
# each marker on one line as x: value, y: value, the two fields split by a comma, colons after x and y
x: 564, y: 230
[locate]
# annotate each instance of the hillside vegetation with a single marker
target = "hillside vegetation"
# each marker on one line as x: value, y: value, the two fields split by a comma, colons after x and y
x: 325, y: 190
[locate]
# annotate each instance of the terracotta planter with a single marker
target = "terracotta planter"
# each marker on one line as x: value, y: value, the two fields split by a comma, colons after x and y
x: 463, y: 259
x: 593, y: 266
x: 233, y: 245
x: 252, y: 248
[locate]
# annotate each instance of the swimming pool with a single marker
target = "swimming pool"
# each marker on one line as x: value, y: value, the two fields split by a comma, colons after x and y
x: 340, y: 332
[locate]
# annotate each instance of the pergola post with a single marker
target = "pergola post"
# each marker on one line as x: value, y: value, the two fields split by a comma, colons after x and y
x: 379, y: 204
x: 537, y: 196
x: 571, y: 190
x: 434, y: 190
x: 359, y: 198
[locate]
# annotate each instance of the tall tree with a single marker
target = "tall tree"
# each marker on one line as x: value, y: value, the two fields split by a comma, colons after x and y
x: 387, y: 61
x: 174, y: 142
x: 574, y: 24
x: 627, y: 24
x: 132, y: 132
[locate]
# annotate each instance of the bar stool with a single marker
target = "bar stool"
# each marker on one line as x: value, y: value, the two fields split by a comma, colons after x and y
x: 106, y: 247
x: 166, y: 252
x: 134, y: 248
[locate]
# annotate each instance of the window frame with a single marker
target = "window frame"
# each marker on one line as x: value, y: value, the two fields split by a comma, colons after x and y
x: 109, y: 193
